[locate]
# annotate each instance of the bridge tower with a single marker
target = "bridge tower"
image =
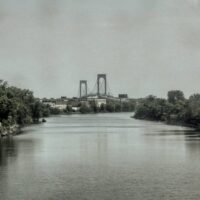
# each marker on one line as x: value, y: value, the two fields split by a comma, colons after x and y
x: 83, y: 83
x: 101, y: 76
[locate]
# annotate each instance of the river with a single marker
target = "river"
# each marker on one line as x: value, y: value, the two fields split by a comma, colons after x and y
x: 100, y: 157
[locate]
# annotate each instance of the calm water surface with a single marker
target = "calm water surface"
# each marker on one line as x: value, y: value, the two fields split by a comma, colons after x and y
x: 100, y: 157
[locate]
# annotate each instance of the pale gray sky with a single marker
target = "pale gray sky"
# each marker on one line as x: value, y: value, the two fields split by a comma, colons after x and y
x: 144, y: 46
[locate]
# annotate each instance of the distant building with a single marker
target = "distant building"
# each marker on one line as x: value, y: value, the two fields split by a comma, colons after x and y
x: 60, y: 106
x: 49, y: 103
x: 98, y: 101
x: 123, y: 96
x: 63, y: 98
x: 85, y: 102
x: 56, y: 103
x: 75, y: 109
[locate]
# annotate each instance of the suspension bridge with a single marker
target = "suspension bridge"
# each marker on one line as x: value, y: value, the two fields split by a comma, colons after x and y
x: 101, y: 89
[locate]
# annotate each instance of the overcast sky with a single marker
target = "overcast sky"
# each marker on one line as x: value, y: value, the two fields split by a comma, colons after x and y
x: 144, y: 46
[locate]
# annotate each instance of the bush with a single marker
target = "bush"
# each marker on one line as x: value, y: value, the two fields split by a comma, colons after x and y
x: 85, y: 109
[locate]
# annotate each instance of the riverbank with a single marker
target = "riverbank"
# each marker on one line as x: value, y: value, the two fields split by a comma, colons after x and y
x: 175, y: 110
x: 10, y: 130
x: 15, y: 128
x: 19, y: 107
x: 170, y: 123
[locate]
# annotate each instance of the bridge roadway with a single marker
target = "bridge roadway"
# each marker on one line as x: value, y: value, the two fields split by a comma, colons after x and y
x: 109, y: 97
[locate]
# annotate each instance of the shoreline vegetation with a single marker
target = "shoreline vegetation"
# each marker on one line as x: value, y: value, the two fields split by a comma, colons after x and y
x: 110, y: 107
x: 19, y: 107
x: 175, y: 110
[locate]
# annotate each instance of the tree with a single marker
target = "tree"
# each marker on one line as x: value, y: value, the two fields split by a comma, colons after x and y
x: 117, y: 107
x: 151, y: 108
x: 68, y: 109
x: 23, y: 114
x: 36, y: 110
x: 175, y: 95
x: 94, y: 106
x: 102, y: 108
x: 125, y: 106
x: 110, y: 107
x: 192, y: 115
x: 85, y: 109
x: 55, y: 111
x: 4, y: 107
x: 19, y: 105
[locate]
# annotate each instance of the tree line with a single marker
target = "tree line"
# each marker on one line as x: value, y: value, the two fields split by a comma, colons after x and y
x: 19, y: 106
x: 109, y: 107
x: 176, y: 109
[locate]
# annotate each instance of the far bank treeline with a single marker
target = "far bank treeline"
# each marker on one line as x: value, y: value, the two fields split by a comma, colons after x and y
x: 176, y: 109
x: 109, y: 107
x: 20, y: 107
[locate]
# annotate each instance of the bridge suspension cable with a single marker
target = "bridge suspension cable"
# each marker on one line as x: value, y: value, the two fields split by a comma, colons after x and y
x: 101, y: 87
x: 109, y: 90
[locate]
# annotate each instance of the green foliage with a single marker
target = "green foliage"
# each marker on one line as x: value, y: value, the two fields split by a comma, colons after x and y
x: 126, y: 107
x: 102, y: 108
x: 175, y: 95
x: 110, y: 107
x: 55, y: 111
x: 151, y: 108
x: 85, y: 109
x: 45, y: 110
x: 5, y: 105
x: 19, y: 106
x: 118, y: 107
x: 36, y: 110
x: 176, y: 109
x: 192, y: 114
x: 94, y: 107
x: 69, y: 109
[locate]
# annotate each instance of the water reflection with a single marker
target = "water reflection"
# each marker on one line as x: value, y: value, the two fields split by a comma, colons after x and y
x: 7, y: 149
x: 100, y: 157
x: 12, y: 145
x: 179, y: 135
x: 187, y: 133
x: 193, y: 135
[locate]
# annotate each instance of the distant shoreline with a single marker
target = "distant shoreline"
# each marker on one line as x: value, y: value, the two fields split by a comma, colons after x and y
x: 10, y: 130
x: 181, y: 124
x: 15, y: 129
